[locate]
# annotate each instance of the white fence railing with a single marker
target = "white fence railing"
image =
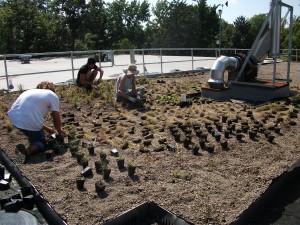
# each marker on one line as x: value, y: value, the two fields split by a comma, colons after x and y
x: 62, y: 66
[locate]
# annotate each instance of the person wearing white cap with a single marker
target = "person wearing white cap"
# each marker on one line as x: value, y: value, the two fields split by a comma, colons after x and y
x: 126, y: 84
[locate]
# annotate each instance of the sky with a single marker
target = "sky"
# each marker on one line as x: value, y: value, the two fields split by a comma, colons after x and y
x: 249, y: 8
x: 246, y: 8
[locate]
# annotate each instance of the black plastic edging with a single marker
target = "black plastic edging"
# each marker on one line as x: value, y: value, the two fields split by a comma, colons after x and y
x: 274, y: 188
x: 48, y: 212
x: 43, y: 206
x: 13, y: 169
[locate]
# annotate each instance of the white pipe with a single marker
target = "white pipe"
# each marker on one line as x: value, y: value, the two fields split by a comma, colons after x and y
x: 222, y: 64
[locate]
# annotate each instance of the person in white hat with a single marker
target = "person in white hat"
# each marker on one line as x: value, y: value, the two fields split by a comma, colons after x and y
x: 126, y: 84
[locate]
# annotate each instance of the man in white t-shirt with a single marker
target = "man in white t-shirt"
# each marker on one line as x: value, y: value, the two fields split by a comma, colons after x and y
x: 28, y: 114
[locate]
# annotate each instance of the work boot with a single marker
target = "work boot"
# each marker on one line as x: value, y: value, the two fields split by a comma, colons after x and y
x: 21, y: 149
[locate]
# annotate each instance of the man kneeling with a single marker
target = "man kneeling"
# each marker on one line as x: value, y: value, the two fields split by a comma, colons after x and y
x: 28, y: 114
x: 86, y: 76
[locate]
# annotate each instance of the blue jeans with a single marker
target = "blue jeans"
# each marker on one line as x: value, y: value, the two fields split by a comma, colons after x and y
x: 35, y: 137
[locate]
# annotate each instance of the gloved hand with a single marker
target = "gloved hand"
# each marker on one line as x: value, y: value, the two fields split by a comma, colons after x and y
x: 131, y: 99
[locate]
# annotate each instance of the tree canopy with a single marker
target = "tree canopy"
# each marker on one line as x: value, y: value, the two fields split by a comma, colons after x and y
x: 64, y: 25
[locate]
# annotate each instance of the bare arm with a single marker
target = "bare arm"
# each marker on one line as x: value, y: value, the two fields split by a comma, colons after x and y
x: 57, y: 122
x: 133, y: 83
x: 49, y: 130
x: 101, y: 74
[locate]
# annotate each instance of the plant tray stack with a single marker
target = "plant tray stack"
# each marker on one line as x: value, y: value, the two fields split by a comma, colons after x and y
x: 146, y: 214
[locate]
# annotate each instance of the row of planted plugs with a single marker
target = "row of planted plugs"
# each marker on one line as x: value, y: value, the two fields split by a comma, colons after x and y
x: 102, y: 165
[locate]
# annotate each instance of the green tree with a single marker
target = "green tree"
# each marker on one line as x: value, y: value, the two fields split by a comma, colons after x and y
x: 124, y: 44
x: 6, y: 29
x: 256, y: 23
x: 137, y: 14
x: 94, y: 26
x: 27, y: 26
x: 177, y: 24
x: 51, y: 33
x: 116, y: 15
x: 208, y: 24
x: 157, y: 28
x: 242, y: 37
x: 17, y: 29
x: 72, y: 11
x: 295, y: 35
x: 227, y: 33
x: 126, y: 22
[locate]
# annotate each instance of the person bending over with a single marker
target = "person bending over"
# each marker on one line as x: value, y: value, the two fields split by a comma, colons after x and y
x: 86, y: 76
x: 28, y: 114
x: 126, y: 85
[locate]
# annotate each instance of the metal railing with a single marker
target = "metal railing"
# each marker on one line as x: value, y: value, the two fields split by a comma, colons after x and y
x: 190, y: 56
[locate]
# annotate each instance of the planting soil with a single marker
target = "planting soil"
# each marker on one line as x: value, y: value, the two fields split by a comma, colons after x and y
x: 205, y: 162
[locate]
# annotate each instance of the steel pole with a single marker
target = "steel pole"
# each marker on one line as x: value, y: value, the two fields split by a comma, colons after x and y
x: 220, y: 28
x: 220, y: 37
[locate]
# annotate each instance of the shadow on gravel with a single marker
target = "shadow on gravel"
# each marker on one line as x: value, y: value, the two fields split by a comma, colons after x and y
x: 280, y: 204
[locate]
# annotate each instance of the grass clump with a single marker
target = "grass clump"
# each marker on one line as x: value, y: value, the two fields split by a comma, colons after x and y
x: 175, y: 174
x: 277, y: 107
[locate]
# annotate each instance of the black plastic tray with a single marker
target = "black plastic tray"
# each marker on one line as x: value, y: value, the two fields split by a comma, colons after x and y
x: 148, y: 213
